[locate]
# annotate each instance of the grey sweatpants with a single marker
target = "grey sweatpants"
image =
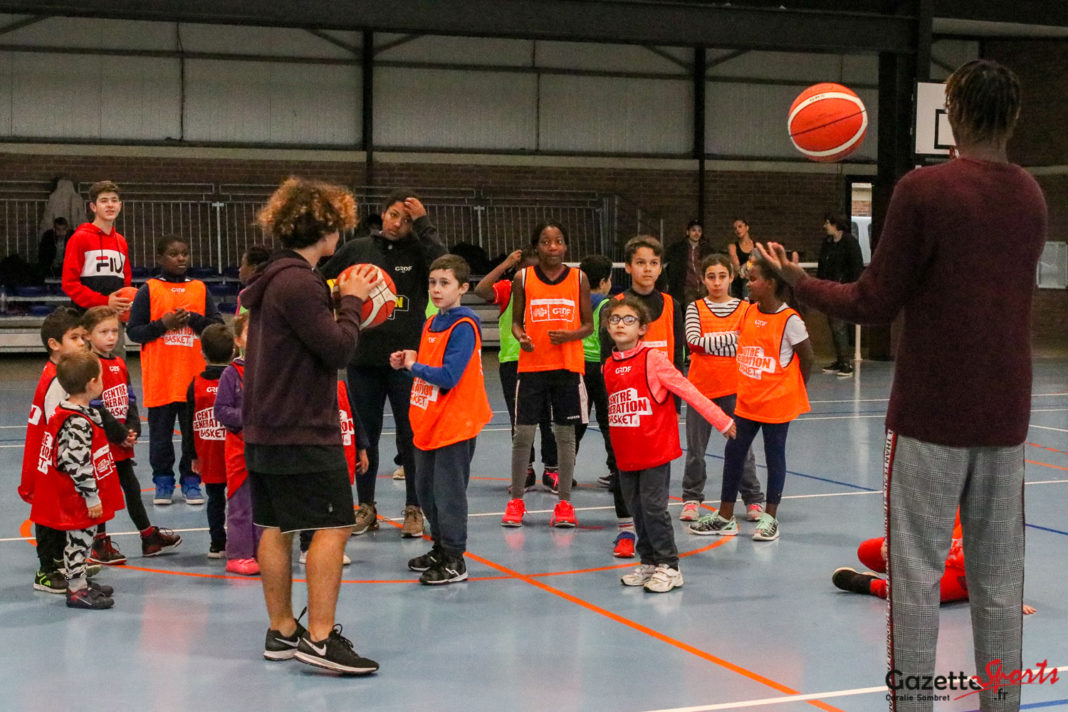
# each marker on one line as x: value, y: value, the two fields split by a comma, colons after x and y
x: 924, y: 484
x: 694, y: 475
x: 646, y: 493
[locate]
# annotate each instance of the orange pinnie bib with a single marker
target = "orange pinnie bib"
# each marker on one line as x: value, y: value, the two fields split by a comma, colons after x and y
x: 170, y: 362
x: 443, y: 417
x: 716, y: 376
x: 767, y: 392
x: 661, y: 332
x: 550, y: 307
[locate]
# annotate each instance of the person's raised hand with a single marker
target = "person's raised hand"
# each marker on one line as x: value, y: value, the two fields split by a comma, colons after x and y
x: 775, y: 254
x: 415, y: 207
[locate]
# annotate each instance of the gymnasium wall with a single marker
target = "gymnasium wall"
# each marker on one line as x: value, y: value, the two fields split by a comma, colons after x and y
x: 1041, y: 143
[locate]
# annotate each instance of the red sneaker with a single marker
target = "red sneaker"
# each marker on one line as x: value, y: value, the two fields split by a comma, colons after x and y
x: 563, y: 515
x: 245, y: 567
x: 105, y: 552
x: 513, y: 513
x: 624, y: 546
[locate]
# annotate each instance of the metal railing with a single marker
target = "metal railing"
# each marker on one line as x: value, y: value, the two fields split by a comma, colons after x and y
x: 218, y: 220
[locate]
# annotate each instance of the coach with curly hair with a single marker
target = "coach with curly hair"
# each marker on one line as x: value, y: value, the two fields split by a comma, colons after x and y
x: 297, y: 469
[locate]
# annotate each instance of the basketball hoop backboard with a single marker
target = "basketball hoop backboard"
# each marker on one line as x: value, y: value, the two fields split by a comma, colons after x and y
x: 932, y: 132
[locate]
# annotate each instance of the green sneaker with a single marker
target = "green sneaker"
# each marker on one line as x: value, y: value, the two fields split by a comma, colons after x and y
x: 50, y: 582
x: 767, y: 528
x: 714, y: 525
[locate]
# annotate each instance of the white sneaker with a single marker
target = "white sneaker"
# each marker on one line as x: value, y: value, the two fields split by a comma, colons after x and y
x: 664, y: 579
x: 303, y: 560
x: 638, y: 576
x: 767, y: 528
x: 398, y: 474
x: 690, y: 511
x: 753, y: 512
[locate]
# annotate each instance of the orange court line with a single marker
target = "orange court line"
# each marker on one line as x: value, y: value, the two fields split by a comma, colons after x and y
x: 756, y: 677
x: 1045, y: 464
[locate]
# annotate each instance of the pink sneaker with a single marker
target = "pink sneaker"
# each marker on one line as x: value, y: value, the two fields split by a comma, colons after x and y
x: 753, y: 512
x: 245, y: 567
x: 513, y: 513
x: 691, y: 511
x: 563, y: 515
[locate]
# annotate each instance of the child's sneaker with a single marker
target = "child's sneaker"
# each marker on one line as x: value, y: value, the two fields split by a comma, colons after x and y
x: 563, y: 515
x: 398, y: 474
x: 164, y: 494
x: 427, y: 561
x: 335, y: 653
x: 244, y: 567
x: 192, y: 494
x: 714, y: 525
x: 513, y: 513
x: 89, y: 598
x: 638, y: 576
x: 50, y: 582
x: 691, y: 511
x: 450, y: 569
x: 624, y: 546
x: 303, y: 559
x: 605, y: 481
x: 105, y: 552
x: 849, y: 579
x: 216, y: 551
x: 664, y: 579
x: 366, y: 519
x: 767, y: 528
x: 283, y: 647
x: 103, y: 588
x: 551, y: 479
x: 753, y: 512
x: 532, y: 479
x: 160, y: 541
x: 413, y: 522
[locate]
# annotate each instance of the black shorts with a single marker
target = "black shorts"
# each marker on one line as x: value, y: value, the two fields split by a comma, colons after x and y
x: 295, y: 502
x: 563, y: 393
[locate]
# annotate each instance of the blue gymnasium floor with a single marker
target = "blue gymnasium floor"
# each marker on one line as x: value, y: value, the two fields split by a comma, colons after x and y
x: 543, y: 624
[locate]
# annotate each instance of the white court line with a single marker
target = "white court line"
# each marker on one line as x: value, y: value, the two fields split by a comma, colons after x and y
x: 1047, y: 427
x: 813, y: 696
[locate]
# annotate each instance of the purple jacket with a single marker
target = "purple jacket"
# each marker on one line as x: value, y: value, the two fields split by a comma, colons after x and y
x: 295, y: 348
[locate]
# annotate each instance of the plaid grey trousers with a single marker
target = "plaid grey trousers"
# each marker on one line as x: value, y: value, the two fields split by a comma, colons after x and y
x: 924, y: 484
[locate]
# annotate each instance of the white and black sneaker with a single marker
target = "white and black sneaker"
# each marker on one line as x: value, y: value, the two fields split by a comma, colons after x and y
x: 335, y: 653
x: 449, y: 570
x: 283, y: 647
x: 427, y: 561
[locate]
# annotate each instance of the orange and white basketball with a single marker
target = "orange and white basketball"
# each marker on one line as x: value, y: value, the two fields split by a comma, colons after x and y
x: 382, y: 300
x: 827, y: 122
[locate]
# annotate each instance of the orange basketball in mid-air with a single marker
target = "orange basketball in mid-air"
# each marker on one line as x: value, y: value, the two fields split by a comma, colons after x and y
x: 827, y: 122
x: 382, y: 300
x: 126, y: 293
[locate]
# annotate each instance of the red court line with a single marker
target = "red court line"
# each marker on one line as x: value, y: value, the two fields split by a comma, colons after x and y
x: 1050, y: 449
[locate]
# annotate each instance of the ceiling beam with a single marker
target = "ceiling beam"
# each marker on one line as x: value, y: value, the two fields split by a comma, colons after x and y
x: 647, y: 22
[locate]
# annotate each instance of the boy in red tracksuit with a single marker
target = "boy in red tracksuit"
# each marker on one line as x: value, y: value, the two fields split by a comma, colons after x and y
x: 117, y: 406
x: 448, y: 409
x: 79, y: 488
x: 644, y: 428
x: 203, y: 437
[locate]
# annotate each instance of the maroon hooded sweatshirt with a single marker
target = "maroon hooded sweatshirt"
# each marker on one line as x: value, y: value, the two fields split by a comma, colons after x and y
x: 295, y: 348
